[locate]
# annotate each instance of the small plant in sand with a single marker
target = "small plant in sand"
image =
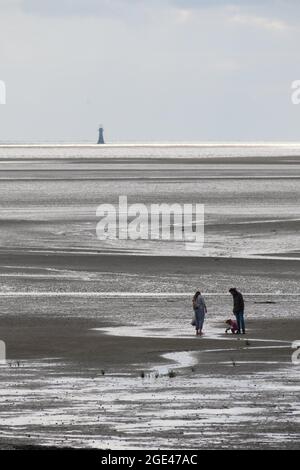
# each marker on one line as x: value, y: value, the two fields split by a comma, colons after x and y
x: 171, y: 374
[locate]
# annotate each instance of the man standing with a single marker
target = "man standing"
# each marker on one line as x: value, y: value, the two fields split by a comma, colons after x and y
x: 238, y: 309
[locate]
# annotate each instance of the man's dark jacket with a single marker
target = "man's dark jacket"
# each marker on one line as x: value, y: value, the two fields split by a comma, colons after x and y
x: 238, y: 302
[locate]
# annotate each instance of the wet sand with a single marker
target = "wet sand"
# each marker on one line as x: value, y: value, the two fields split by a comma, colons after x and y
x: 81, y: 341
x: 241, y: 390
x: 114, y: 262
x: 100, y: 350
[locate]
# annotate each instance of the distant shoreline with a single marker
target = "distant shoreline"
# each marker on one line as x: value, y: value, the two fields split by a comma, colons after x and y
x: 153, y: 144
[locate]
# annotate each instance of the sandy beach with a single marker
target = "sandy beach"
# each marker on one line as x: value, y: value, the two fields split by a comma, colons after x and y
x: 77, y: 382
x: 100, y: 350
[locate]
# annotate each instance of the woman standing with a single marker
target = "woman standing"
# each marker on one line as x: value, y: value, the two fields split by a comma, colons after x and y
x: 200, y: 311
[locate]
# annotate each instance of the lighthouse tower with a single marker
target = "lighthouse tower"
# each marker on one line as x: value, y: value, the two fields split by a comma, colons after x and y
x: 101, y: 138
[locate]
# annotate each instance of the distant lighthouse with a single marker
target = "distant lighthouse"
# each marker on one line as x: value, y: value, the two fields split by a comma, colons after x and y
x: 101, y: 138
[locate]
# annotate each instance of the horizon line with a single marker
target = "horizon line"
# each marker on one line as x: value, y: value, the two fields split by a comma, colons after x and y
x: 138, y: 294
x: 170, y: 144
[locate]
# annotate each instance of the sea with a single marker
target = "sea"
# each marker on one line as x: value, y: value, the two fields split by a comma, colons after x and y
x: 49, y: 195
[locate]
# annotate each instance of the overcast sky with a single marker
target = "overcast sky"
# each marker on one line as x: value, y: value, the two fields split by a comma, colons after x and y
x: 149, y: 69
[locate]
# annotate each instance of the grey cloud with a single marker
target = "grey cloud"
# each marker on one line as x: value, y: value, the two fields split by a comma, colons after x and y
x: 76, y: 7
x: 115, y: 7
x: 241, y: 3
x: 58, y: 8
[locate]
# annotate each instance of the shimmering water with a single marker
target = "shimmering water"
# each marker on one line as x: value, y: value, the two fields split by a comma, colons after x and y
x: 49, y: 195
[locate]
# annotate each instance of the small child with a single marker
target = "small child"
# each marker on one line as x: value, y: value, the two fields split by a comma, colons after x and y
x: 232, y: 325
